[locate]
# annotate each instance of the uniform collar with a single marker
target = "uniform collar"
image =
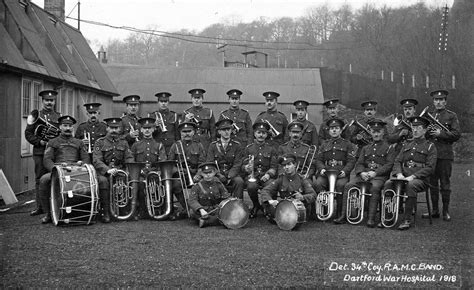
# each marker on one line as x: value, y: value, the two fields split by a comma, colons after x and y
x: 197, y: 107
x: 90, y: 122
x: 65, y: 137
x: 295, y: 143
x: 234, y: 109
x: 272, y: 111
x: 164, y: 111
x: 110, y: 138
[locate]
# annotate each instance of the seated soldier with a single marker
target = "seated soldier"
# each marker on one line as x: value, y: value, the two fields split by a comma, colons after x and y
x: 64, y: 149
x: 374, y: 165
x: 415, y: 163
x: 206, y: 195
x: 338, y: 154
x: 148, y: 151
x: 110, y: 153
x: 288, y: 185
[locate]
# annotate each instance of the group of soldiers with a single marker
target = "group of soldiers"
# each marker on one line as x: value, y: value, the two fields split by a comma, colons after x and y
x: 272, y: 158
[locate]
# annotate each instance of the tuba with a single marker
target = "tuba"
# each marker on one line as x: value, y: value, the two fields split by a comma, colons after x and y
x: 356, y: 202
x: 325, y: 199
x: 303, y: 170
x: 434, y: 124
x: 159, y: 197
x: 391, y: 203
x: 123, y: 198
x: 44, y: 130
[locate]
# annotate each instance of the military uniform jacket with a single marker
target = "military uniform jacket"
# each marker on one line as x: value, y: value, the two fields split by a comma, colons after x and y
x: 64, y: 149
x: 417, y: 158
x: 377, y: 157
x: 148, y: 151
x: 310, y: 134
x: 324, y: 131
x: 299, y: 149
x: 242, y: 119
x: 170, y: 119
x: 228, y: 159
x: 284, y: 186
x: 194, y: 151
x: 265, y: 159
x: 278, y: 120
x: 96, y: 129
x: 128, y: 120
x: 394, y: 136
x: 336, y: 154
x: 111, y: 153
x: 51, y: 117
x: 356, y: 130
x: 444, y: 142
x: 207, y: 126
x: 207, y: 195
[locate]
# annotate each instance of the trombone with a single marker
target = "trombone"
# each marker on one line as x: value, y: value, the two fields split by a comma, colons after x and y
x: 87, y: 137
x: 303, y: 170
x: 273, y: 131
x: 160, y: 122
x: 185, y: 174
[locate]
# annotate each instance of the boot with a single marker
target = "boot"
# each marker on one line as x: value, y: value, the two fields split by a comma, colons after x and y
x: 47, y: 219
x: 446, y: 216
x: 341, y: 217
x: 37, y: 211
x: 372, y: 212
x: 409, y: 206
x: 105, y: 201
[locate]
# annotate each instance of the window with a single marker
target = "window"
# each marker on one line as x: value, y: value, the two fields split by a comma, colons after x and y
x: 29, y: 101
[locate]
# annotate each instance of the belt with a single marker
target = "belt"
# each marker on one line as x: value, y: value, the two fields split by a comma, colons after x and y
x: 334, y: 162
x: 411, y: 164
x: 372, y: 165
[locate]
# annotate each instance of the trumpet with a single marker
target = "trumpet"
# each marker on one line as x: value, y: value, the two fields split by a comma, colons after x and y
x: 303, y: 170
x: 160, y: 122
x: 325, y: 199
x: 133, y: 130
x: 273, y: 131
x: 434, y: 124
x: 87, y: 138
x: 356, y: 202
x: 391, y: 203
x: 252, y: 173
x: 236, y: 128
x: 44, y: 130
x: 193, y: 118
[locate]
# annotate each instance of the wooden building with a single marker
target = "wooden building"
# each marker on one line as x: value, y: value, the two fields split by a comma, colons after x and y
x: 39, y: 51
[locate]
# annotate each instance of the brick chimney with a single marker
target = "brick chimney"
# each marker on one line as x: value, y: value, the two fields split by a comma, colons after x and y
x: 102, y: 55
x: 56, y: 7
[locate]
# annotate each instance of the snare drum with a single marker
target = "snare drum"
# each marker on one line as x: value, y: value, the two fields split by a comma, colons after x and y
x: 233, y: 213
x: 289, y: 214
x: 74, y: 194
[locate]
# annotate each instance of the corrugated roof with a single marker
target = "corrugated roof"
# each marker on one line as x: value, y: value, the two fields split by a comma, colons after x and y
x: 62, y: 51
x: 292, y: 84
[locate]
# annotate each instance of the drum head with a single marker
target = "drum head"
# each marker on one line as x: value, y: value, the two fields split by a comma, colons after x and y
x: 234, y: 213
x: 288, y: 216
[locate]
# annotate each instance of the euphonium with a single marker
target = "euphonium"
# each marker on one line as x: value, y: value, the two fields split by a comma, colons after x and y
x: 303, y: 169
x: 44, y: 130
x: 123, y: 197
x: 159, y: 197
x: 252, y: 173
x: 434, y: 124
x: 325, y: 199
x: 160, y: 122
x: 356, y: 202
x: 391, y: 203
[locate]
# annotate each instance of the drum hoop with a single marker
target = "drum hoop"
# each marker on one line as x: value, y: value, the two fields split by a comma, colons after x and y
x: 223, y: 203
x: 94, y: 191
x: 295, y: 203
x: 53, y: 202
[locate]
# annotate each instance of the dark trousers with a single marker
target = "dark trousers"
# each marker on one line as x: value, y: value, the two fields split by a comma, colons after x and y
x: 40, y: 170
x: 440, y: 183
x: 45, y: 192
x: 411, y: 190
x: 252, y: 189
x: 236, y: 187
x: 212, y: 220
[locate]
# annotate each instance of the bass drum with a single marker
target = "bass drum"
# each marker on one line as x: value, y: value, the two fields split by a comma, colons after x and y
x: 74, y: 195
x: 289, y: 214
x: 233, y: 213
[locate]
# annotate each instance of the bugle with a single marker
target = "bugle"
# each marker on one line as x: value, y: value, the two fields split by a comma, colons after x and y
x: 87, y: 139
x: 132, y: 130
x: 434, y: 124
x: 325, y: 199
x: 45, y: 130
x: 160, y: 122
x: 123, y: 195
x: 356, y: 202
x: 273, y: 131
x: 236, y: 128
x: 303, y: 169
x: 391, y: 203
x: 158, y: 186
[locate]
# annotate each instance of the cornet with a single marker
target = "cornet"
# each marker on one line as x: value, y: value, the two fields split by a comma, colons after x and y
x: 252, y: 173
x: 193, y: 118
x: 87, y: 137
x: 160, y: 122
x: 133, y: 130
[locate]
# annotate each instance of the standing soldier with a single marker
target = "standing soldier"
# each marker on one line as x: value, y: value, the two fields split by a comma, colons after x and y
x: 332, y: 110
x: 110, y: 153
x: 130, y: 125
x: 443, y: 140
x: 402, y: 130
x: 358, y: 135
x: 228, y: 155
x: 203, y: 117
x: 64, y: 150
x: 260, y: 164
x: 166, y: 120
x: 374, y: 165
x: 149, y: 151
x: 309, y: 133
x: 48, y: 114
x: 242, y: 123
x: 93, y: 127
x: 339, y: 154
x: 415, y: 162
x: 277, y: 120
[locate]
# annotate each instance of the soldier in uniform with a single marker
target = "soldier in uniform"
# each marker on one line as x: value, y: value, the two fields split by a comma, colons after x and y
x: 130, y: 125
x: 64, y: 150
x: 339, y: 154
x: 415, y: 163
x: 374, y: 165
x: 195, y: 154
x: 228, y: 155
x: 170, y: 120
x: 206, y: 195
x: 309, y: 133
x: 358, y: 135
x: 110, y: 153
x: 287, y: 185
x: 206, y: 128
x: 443, y: 140
x: 332, y: 110
x: 48, y: 114
x: 149, y: 151
x: 92, y: 126
x: 402, y: 131
x: 296, y: 147
x: 264, y: 165
x: 242, y: 123
x: 276, y: 119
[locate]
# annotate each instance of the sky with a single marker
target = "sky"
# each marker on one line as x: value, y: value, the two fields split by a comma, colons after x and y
x: 194, y: 15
